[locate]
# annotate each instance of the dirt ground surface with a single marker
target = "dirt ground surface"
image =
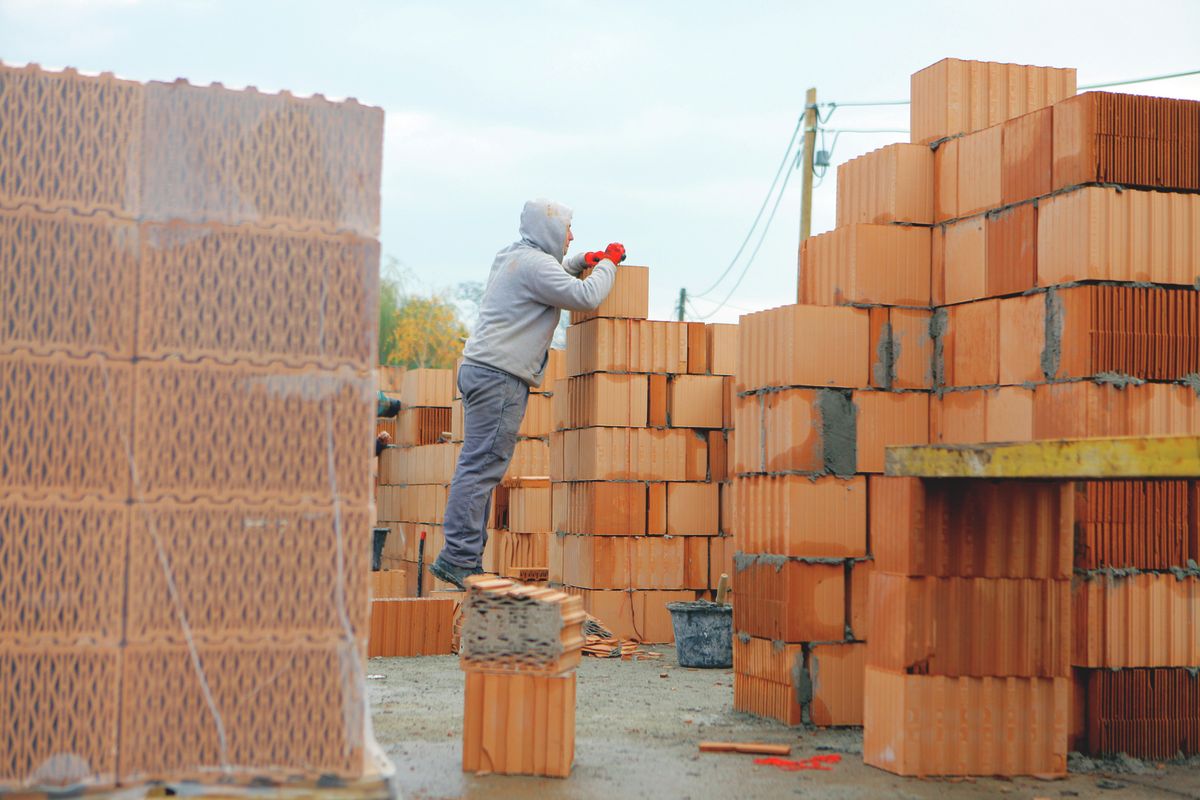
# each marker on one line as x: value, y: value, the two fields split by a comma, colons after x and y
x: 637, y: 735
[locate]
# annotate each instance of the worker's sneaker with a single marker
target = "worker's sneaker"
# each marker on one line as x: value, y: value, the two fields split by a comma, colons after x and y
x: 451, y: 573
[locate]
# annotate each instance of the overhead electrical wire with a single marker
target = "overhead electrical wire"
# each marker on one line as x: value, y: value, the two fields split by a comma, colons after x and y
x: 833, y: 106
x: 782, y: 164
x: 1151, y: 79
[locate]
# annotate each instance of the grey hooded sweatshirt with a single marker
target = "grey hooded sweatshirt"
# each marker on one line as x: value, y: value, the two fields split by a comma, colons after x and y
x: 527, y: 289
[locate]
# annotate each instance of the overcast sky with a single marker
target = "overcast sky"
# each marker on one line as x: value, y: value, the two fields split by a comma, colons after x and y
x: 660, y: 123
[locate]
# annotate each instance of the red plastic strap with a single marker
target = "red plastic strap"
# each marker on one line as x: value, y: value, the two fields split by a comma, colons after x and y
x: 816, y: 762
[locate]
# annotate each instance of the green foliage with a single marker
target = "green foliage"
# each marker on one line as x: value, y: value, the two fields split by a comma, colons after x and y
x: 416, y: 330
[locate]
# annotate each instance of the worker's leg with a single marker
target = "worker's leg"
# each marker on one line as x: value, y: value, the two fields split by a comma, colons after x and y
x: 493, y: 407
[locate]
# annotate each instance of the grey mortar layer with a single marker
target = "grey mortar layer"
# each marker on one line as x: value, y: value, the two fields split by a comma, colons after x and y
x: 883, y: 371
x: 937, y: 328
x: 839, y: 434
x: 1053, y: 321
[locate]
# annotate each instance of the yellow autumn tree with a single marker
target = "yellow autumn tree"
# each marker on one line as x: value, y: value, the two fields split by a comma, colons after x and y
x: 427, y: 333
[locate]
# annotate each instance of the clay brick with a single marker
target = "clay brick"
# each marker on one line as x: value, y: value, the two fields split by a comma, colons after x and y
x: 887, y: 264
x: 836, y: 672
x: 1011, y: 257
x: 629, y: 562
x: 803, y: 430
x: 793, y: 515
x: 776, y: 348
x: 1144, y: 713
x: 1098, y: 233
x: 722, y: 348
x: 902, y: 348
x: 427, y: 387
x: 945, y: 181
x: 979, y: 166
x: 626, y: 345
x: 971, y: 344
x: 768, y: 678
x: 860, y: 597
x: 965, y: 270
x: 788, y: 600
x: 953, y: 96
x: 600, y: 509
x: 1019, y: 725
x: 516, y: 724
x: 387, y: 584
x: 607, y: 400
x: 1028, y: 154
x: 971, y: 528
x: 969, y: 626
x: 607, y: 454
x: 884, y: 419
x: 411, y: 627
x: 529, y: 506
x: 720, y: 559
x: 1126, y: 139
x: 656, y: 514
x: 1083, y: 409
x: 1022, y: 338
x: 538, y: 421
x: 697, y: 339
x: 891, y: 184
x: 693, y: 509
x: 629, y: 298
x: 1143, y: 524
x: 696, y: 401
x: 1144, y: 620
x: 718, y: 456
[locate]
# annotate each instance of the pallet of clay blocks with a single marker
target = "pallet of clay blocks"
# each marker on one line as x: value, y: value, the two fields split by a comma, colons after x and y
x: 511, y: 627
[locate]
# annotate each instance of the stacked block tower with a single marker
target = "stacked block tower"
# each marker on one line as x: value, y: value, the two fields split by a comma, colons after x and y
x: 184, y: 457
x: 636, y: 484
x: 520, y: 647
x: 1059, y: 305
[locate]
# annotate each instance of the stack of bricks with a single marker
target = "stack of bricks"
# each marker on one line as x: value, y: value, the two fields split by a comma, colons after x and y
x: 1064, y: 286
x: 184, y: 452
x: 637, y: 458
x: 415, y: 474
x: 520, y: 648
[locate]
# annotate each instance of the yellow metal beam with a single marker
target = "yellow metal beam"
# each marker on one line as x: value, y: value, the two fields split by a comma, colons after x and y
x: 1124, y: 457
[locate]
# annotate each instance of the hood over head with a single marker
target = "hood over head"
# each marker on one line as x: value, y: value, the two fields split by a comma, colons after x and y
x: 544, y: 226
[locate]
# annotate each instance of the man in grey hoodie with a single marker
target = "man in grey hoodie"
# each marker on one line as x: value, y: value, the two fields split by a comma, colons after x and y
x: 531, y: 282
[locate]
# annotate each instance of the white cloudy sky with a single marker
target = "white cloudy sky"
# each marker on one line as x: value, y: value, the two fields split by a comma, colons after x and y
x: 661, y: 123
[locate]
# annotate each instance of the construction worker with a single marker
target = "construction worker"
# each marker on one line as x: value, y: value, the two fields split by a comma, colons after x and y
x: 531, y: 282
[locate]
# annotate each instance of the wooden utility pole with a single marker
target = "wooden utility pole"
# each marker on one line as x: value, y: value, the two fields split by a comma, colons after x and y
x: 810, y: 142
x: 679, y: 309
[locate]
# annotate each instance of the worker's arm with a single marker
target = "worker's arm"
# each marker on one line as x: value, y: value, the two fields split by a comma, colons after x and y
x: 574, y: 264
x: 551, y: 284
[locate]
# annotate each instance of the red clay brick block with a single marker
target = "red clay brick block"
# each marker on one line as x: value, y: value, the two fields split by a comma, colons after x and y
x: 1145, y: 620
x: 979, y: 167
x: 792, y: 601
x: 953, y: 96
x: 517, y: 724
x: 767, y: 678
x: 971, y: 344
x: 1144, y: 524
x: 971, y: 528
x: 776, y: 348
x: 884, y: 419
x: 411, y: 627
x: 1011, y: 236
x: 1027, y: 156
x: 1144, y: 713
x: 794, y: 515
x: 629, y: 298
x: 969, y: 626
x: 836, y: 672
x: 891, y: 184
x: 887, y: 264
x: 927, y: 725
x: 1098, y: 233
x: 965, y: 263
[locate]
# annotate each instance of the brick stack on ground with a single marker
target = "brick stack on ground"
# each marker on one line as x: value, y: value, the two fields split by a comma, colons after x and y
x: 193, y: 489
x: 520, y: 648
x: 635, y: 507
x: 414, y: 473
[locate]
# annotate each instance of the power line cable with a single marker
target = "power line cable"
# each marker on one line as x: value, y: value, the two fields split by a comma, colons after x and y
x: 1150, y: 79
x: 767, y: 199
x: 750, y: 261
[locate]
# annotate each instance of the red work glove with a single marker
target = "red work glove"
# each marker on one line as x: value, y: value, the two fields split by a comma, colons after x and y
x: 615, y: 253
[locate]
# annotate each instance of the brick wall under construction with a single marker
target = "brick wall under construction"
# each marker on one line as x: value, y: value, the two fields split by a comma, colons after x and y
x: 1026, y: 269
x: 184, y: 471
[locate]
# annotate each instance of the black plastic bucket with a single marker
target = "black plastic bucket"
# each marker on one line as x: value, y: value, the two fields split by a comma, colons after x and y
x: 703, y: 633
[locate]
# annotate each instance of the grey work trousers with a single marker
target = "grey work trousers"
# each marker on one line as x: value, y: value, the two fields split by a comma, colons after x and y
x: 493, y: 407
